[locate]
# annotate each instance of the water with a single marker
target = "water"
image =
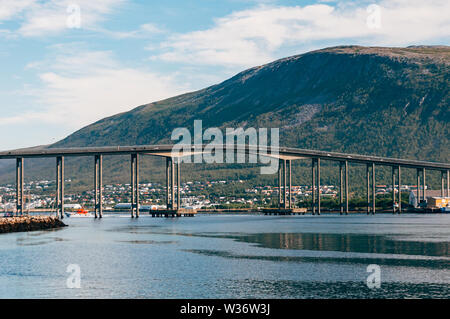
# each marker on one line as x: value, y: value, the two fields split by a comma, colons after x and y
x: 232, y: 256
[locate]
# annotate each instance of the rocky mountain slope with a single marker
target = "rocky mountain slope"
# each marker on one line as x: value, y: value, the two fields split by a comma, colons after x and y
x: 370, y: 100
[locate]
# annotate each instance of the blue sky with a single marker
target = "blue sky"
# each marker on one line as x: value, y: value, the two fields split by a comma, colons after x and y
x: 66, y: 64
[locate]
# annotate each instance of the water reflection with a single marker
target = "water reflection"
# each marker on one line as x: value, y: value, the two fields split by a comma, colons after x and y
x: 24, y: 241
x: 147, y: 242
x: 360, y: 243
x: 336, y: 290
x: 423, y: 263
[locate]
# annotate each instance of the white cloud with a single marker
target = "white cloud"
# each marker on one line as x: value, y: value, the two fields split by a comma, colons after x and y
x: 38, y: 18
x: 10, y: 8
x: 251, y: 37
x: 144, y: 31
x: 79, y: 89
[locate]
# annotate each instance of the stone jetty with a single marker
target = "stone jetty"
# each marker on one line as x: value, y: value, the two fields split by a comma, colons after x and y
x: 29, y: 223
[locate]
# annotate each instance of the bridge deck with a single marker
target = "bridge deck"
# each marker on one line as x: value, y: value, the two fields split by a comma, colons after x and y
x: 166, y: 151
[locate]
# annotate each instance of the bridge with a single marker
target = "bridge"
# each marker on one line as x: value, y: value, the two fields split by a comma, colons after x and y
x: 173, y: 173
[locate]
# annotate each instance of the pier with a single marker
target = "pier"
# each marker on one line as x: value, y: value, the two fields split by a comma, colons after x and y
x: 285, y: 156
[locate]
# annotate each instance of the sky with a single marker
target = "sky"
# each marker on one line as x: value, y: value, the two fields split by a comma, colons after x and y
x: 67, y: 64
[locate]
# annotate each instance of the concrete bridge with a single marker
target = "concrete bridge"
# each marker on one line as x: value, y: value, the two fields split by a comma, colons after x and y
x: 173, y: 173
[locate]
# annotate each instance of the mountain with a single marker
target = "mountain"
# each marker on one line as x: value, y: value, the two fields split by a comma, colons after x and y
x: 383, y: 101
x: 370, y: 100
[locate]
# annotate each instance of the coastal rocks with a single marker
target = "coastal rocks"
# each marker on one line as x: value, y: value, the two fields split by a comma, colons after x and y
x: 29, y: 223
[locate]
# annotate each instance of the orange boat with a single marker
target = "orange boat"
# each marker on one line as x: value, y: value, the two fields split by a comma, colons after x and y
x: 79, y: 213
x: 82, y: 211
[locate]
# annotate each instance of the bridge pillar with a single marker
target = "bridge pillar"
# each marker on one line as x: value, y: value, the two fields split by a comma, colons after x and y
x: 442, y: 184
x: 368, y: 187
x: 98, y: 184
x: 448, y: 183
x: 168, y: 160
x: 134, y: 185
x: 374, y: 195
x: 399, y: 169
x: 178, y: 183
x: 313, y: 185
x: 424, y: 196
x: 418, y: 186
x: 60, y: 187
x: 393, y: 189
x: 318, y: 186
x: 95, y: 185
x: 341, y: 190
x: 346, y: 187
x: 19, y: 186
x: 279, y: 183
x: 172, y: 179
x: 290, y: 184
x: 284, y: 185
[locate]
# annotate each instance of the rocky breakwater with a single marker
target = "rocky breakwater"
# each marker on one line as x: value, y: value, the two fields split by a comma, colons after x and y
x: 29, y: 223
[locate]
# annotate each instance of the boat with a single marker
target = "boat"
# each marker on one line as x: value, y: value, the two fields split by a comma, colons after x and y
x: 79, y: 213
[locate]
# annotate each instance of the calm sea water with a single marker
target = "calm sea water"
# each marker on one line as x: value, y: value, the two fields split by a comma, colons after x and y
x: 231, y: 256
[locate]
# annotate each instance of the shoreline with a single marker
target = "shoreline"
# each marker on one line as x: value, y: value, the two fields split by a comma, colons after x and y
x: 29, y: 223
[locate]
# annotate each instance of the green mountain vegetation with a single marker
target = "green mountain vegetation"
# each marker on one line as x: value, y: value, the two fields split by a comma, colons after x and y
x: 370, y: 100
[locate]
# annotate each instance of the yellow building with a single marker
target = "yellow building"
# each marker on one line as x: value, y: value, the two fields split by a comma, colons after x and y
x: 438, y: 202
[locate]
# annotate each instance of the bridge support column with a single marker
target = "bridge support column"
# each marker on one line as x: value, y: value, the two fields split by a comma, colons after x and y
x: 448, y: 183
x: 313, y: 185
x: 424, y: 196
x: 95, y: 185
x: 60, y: 187
x: 168, y: 164
x: 374, y: 195
x: 318, y: 186
x: 346, y: 187
x: 368, y: 187
x: 279, y: 183
x: 19, y: 186
x: 284, y: 185
x: 290, y: 184
x: 98, y: 184
x: 442, y: 184
x: 341, y: 186
x: 178, y: 183
x: 418, y: 186
x: 399, y: 169
x: 134, y: 185
x: 172, y: 186
x: 393, y: 190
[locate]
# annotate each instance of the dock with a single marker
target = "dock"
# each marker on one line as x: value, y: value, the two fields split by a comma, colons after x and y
x: 284, y: 211
x: 173, y: 213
